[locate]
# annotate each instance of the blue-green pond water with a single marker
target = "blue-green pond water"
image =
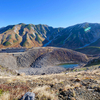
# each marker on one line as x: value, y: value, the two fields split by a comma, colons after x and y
x: 68, y: 65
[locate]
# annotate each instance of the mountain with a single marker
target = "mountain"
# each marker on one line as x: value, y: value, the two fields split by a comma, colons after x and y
x: 29, y: 35
x: 78, y: 36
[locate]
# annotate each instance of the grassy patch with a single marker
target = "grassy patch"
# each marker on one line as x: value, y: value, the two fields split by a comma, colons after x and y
x: 67, y: 63
x: 86, y: 68
x: 32, y: 35
x: 94, y: 62
x: 28, y: 26
x: 22, y: 29
x: 6, y: 43
x: 14, y: 41
x: 38, y: 39
x: 1, y: 92
x: 89, y: 50
x: 16, y: 36
x: 9, y: 37
x: 24, y: 43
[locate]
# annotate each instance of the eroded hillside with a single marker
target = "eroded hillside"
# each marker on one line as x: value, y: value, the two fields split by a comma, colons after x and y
x: 28, y: 36
x: 49, y: 56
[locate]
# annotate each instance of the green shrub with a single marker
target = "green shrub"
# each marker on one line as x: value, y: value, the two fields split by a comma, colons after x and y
x: 38, y: 39
x: 24, y: 43
x: 16, y: 36
x: 23, y: 25
x: 6, y: 43
x: 22, y: 29
x: 9, y: 37
x: 28, y: 26
x: 1, y: 92
x: 32, y: 35
x: 14, y: 41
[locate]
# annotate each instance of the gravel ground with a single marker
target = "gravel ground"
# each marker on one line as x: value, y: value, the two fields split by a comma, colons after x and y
x: 39, y: 71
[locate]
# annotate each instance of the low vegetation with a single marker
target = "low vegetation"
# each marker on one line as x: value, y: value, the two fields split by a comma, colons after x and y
x: 16, y: 36
x: 6, y: 43
x: 14, y: 41
x: 9, y: 37
x: 22, y: 29
x: 24, y: 43
x: 90, y: 50
x: 38, y: 39
x: 9, y: 27
x: 28, y: 26
x: 32, y: 35
x: 81, y: 85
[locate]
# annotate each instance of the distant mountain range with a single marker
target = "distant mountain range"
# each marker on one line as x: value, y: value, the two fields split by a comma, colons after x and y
x: 75, y: 37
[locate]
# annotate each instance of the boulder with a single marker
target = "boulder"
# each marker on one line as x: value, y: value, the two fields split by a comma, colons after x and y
x: 18, y: 74
x: 28, y: 96
x: 43, y: 74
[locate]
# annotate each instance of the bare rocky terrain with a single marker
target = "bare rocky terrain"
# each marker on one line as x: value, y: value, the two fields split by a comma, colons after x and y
x: 8, y: 61
x: 41, y: 60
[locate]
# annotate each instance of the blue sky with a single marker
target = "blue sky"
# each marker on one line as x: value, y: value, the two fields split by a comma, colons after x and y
x: 56, y: 13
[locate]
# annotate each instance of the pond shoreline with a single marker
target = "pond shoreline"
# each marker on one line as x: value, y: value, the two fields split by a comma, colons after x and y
x: 68, y: 65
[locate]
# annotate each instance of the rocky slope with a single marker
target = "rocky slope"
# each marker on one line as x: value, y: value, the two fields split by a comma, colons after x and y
x: 44, y: 59
x: 49, y: 56
x: 73, y: 37
x: 41, y: 59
